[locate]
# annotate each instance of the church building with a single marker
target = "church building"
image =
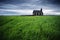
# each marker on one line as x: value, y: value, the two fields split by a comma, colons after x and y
x: 37, y: 12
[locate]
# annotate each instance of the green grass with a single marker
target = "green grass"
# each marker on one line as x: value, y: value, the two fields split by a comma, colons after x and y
x: 30, y: 27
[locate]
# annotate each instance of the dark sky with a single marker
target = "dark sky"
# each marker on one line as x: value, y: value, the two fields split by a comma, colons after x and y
x: 20, y: 6
x: 56, y: 2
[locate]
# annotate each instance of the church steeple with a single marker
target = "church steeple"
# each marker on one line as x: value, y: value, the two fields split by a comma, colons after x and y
x: 41, y: 10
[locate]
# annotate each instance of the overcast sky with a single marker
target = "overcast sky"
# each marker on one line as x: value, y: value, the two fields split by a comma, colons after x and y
x: 26, y: 7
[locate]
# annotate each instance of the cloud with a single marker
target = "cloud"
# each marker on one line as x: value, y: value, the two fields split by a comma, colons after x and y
x: 56, y: 2
x: 27, y: 12
x: 25, y: 7
x: 51, y: 12
x: 18, y: 12
x: 8, y: 6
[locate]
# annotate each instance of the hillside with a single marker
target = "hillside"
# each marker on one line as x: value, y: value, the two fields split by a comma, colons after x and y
x: 30, y: 27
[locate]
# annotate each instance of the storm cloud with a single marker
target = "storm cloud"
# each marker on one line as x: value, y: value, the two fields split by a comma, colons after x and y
x: 49, y: 6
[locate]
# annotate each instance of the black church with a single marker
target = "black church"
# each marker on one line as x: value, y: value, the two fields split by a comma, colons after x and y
x: 37, y: 12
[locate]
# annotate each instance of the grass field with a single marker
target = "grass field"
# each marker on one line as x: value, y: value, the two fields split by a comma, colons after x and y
x: 29, y: 27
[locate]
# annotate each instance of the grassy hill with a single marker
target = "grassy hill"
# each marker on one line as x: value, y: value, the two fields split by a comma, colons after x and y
x: 30, y: 27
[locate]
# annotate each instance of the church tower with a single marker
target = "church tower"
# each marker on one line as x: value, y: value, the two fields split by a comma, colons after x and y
x: 41, y: 11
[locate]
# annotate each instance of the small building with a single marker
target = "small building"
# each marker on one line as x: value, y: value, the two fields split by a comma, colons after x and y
x: 37, y: 12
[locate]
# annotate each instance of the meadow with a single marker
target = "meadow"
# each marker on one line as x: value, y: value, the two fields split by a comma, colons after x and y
x: 29, y: 27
